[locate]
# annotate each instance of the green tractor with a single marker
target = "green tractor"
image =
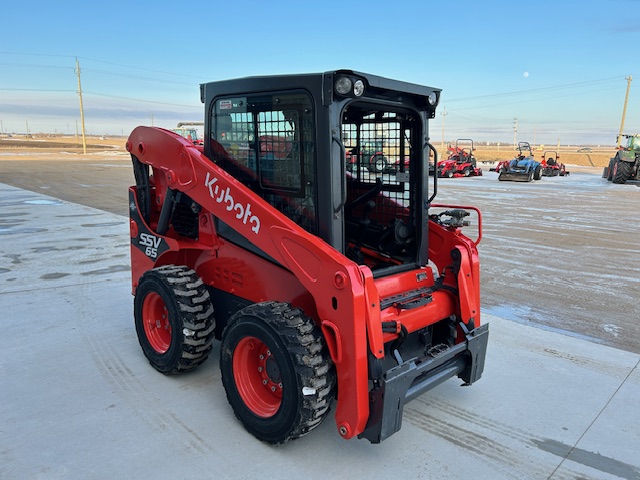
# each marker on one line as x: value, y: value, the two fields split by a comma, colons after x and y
x: 625, y: 165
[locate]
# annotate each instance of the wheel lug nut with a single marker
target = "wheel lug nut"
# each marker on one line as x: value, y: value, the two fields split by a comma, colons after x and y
x: 264, y: 382
x: 273, y: 389
x: 261, y: 357
x: 260, y: 369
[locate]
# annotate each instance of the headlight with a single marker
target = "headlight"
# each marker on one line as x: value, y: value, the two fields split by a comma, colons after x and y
x: 343, y: 85
x: 358, y: 88
x: 433, y: 98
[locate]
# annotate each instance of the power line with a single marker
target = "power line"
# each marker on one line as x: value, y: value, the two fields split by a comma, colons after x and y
x: 102, y: 72
x: 141, y: 100
x: 36, y: 90
x: 475, y: 118
x: 99, y: 61
x: 37, y: 54
x: 136, y: 77
x: 139, y: 68
x: 94, y: 60
x: 155, y: 102
x: 536, y: 90
x: 31, y: 65
x: 538, y: 99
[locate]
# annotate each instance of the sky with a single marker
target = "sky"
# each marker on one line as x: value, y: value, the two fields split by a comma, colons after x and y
x: 537, y: 71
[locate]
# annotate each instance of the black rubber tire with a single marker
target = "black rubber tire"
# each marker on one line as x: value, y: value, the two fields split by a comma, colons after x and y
x: 610, y: 170
x: 537, y: 173
x: 189, y: 314
x: 378, y: 163
x: 466, y: 172
x: 621, y: 171
x: 305, y: 372
x: 449, y: 174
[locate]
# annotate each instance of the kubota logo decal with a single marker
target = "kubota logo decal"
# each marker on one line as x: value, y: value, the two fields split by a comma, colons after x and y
x: 223, y: 195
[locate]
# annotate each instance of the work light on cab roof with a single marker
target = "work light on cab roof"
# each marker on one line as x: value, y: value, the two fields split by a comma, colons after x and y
x: 349, y: 86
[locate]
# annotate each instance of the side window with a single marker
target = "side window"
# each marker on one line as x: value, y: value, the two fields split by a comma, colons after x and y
x: 266, y: 141
x: 279, y: 149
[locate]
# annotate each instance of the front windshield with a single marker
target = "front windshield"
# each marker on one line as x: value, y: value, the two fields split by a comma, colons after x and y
x: 634, y: 143
x: 382, y: 158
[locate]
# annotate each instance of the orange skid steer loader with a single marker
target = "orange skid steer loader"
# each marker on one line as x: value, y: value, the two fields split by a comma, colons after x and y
x: 323, y: 284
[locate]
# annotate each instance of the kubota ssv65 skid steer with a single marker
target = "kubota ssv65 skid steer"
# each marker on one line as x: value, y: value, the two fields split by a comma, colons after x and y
x: 323, y: 284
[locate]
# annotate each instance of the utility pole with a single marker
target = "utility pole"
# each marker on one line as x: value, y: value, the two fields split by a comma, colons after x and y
x: 84, y: 139
x: 444, y: 114
x: 624, y: 110
x: 515, y: 132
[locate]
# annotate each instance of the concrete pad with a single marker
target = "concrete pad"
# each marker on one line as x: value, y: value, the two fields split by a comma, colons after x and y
x: 79, y: 400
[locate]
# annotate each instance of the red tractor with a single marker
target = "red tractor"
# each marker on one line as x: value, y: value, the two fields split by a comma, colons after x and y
x: 461, y: 161
x: 500, y: 166
x: 322, y: 284
x: 369, y: 155
x: 551, y: 167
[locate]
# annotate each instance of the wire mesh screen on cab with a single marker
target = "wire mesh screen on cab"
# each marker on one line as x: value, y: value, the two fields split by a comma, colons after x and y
x: 267, y: 142
x: 380, y: 163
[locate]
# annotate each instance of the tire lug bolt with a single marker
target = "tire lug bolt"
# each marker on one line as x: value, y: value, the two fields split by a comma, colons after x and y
x: 261, y: 357
x: 264, y: 382
x: 260, y: 369
x: 273, y: 389
x: 268, y: 353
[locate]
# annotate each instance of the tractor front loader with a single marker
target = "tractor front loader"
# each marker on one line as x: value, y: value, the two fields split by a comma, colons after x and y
x: 323, y: 284
x: 523, y: 168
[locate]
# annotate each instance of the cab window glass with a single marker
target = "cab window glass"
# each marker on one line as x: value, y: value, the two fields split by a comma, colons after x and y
x: 267, y: 142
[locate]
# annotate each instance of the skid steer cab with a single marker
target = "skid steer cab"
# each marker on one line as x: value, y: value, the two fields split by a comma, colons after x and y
x: 326, y: 281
